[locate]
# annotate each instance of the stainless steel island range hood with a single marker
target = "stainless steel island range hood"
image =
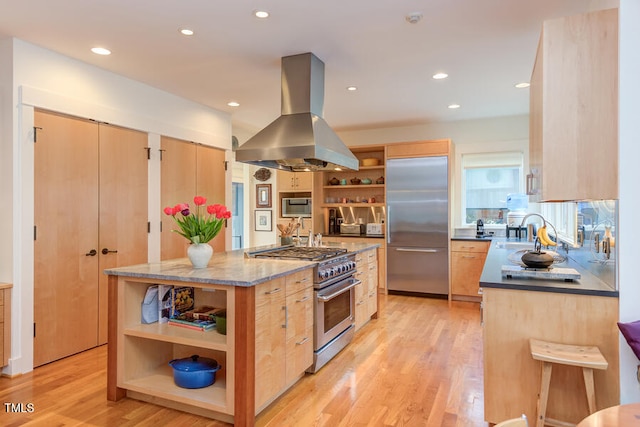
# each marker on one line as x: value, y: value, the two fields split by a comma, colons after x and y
x: 299, y: 140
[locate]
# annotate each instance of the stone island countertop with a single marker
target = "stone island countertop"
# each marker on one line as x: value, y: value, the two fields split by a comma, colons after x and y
x: 231, y: 268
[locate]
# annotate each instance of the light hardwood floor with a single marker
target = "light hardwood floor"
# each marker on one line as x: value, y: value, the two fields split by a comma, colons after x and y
x: 418, y: 364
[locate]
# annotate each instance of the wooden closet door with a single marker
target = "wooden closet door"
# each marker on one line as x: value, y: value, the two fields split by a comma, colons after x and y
x: 178, y: 185
x: 210, y: 183
x: 66, y: 237
x: 123, y: 232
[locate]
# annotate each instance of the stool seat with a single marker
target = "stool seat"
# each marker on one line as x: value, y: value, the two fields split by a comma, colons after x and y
x: 573, y: 355
x: 586, y: 357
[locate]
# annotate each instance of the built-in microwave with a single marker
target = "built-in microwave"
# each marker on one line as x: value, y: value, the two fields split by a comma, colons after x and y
x: 293, y: 207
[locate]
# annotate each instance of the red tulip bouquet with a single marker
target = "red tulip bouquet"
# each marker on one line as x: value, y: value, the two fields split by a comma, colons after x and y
x: 198, y: 227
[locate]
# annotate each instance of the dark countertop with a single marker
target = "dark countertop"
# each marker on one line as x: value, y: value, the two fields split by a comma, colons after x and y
x: 590, y: 283
x: 473, y: 238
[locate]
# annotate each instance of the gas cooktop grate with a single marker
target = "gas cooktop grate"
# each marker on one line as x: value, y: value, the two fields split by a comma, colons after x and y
x: 303, y: 253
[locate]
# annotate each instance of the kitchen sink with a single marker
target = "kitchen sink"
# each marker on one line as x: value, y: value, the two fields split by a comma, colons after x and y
x: 514, y: 245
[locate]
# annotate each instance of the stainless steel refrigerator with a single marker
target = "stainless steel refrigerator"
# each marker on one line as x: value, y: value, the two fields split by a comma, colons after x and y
x: 418, y: 225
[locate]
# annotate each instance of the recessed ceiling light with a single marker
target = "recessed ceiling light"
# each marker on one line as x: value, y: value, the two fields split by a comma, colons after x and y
x: 262, y: 14
x: 440, y: 76
x: 522, y: 85
x: 352, y: 88
x: 100, y: 51
x: 186, y: 32
x: 413, y: 17
x: 233, y: 104
x: 337, y: 168
x: 453, y: 106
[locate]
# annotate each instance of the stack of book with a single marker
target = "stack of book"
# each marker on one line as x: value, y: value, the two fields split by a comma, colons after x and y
x: 200, y: 318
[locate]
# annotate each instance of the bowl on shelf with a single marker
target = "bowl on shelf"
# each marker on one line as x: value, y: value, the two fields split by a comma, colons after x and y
x: 370, y: 162
x: 366, y: 181
x: 380, y: 180
x: 334, y: 181
x: 355, y: 181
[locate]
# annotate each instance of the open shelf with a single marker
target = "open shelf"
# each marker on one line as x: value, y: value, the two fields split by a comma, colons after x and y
x: 176, y: 335
x: 145, y: 350
x: 353, y: 205
x: 160, y: 383
x: 338, y: 187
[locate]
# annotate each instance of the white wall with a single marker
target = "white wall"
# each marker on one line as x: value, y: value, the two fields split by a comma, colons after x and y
x: 6, y: 163
x: 45, y: 79
x: 629, y: 176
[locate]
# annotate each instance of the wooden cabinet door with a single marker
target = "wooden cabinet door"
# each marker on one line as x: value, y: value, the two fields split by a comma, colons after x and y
x: 372, y: 290
x: 299, y: 333
x: 270, y: 340
x: 178, y: 185
x: 294, y: 181
x: 574, y: 106
x: 123, y: 206
x: 466, y: 269
x: 382, y: 269
x: 66, y: 221
x: 210, y: 183
x: 467, y: 262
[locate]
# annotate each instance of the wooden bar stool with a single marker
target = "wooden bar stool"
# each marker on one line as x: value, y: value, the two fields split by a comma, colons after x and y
x: 586, y: 357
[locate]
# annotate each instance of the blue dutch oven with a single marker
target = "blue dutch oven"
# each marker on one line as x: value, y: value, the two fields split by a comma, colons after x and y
x: 194, y: 371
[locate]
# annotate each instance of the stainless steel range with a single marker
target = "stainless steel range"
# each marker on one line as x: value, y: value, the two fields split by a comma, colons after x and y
x: 334, y: 306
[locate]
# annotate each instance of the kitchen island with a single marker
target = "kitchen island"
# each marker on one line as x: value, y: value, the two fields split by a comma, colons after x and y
x: 579, y: 312
x: 139, y: 353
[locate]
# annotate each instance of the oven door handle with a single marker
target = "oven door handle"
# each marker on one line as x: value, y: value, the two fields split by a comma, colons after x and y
x: 325, y: 298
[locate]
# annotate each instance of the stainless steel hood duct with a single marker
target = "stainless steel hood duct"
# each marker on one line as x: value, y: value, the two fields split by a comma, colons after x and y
x: 299, y: 140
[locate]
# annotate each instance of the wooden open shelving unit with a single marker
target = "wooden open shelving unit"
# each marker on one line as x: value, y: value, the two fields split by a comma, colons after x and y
x: 143, y: 370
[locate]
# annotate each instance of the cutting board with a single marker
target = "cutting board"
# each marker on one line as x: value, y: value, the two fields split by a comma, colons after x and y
x: 555, y: 273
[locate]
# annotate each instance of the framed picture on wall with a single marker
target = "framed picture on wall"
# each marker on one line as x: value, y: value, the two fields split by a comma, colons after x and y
x: 263, y: 195
x: 263, y: 220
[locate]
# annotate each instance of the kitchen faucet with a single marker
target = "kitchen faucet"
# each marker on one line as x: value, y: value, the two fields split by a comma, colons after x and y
x: 544, y: 222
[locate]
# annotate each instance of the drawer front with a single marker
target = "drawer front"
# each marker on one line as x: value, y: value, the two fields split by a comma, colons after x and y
x: 299, y: 281
x: 300, y: 315
x: 469, y: 246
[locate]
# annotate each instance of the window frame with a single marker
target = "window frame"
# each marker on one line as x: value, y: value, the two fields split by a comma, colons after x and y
x: 520, y: 146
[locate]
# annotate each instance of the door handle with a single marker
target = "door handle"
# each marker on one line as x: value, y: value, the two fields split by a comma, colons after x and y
x: 92, y: 252
x: 107, y: 251
x: 431, y: 251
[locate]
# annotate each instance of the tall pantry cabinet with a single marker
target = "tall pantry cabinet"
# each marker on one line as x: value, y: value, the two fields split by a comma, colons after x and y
x: 90, y: 214
x: 189, y: 170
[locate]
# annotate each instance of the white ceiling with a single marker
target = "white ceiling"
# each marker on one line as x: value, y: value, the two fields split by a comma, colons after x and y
x: 486, y: 47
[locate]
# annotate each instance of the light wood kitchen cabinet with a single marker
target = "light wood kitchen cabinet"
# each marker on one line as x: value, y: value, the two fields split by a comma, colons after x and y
x: 366, y: 294
x: 284, y: 334
x: 439, y: 147
x: 205, y: 177
x: 270, y: 340
x: 467, y: 262
x: 293, y: 182
x: 574, y: 109
x: 512, y: 376
x: 5, y: 323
